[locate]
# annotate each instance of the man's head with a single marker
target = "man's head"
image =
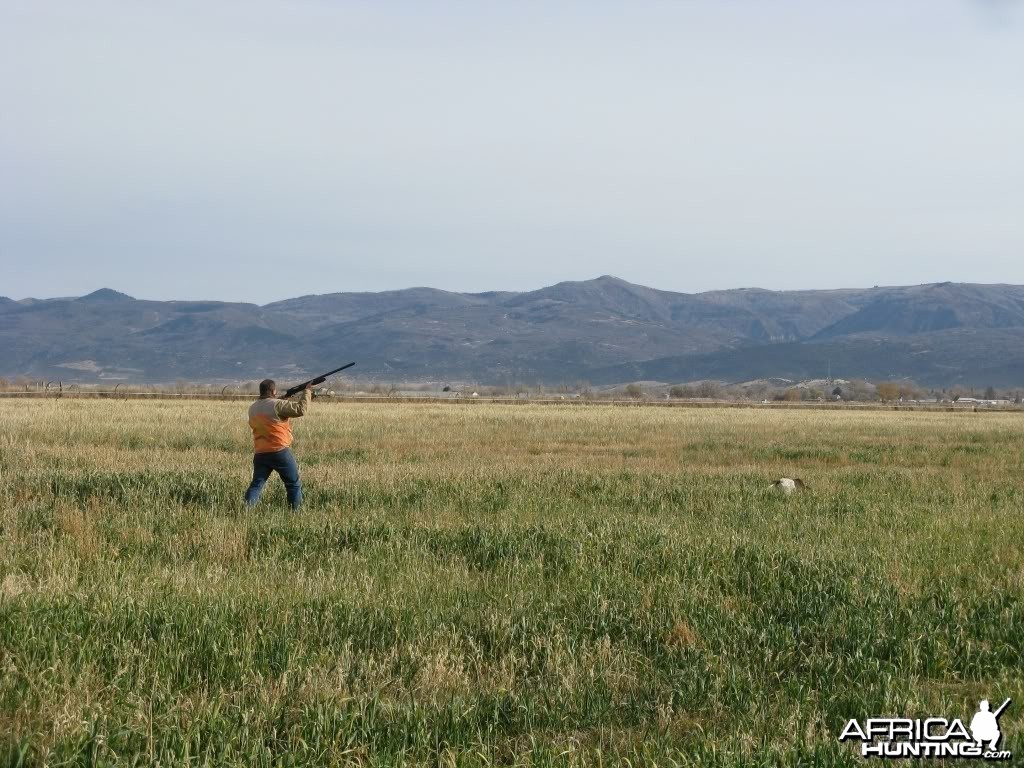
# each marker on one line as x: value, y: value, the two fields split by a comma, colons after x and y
x: 268, y: 388
x: 984, y: 705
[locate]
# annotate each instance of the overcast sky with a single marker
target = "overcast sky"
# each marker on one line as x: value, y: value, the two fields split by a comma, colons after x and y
x: 259, y: 149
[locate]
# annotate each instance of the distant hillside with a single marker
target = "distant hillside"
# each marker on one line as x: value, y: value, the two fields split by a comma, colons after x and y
x: 974, y: 356
x: 927, y: 308
x: 603, y: 331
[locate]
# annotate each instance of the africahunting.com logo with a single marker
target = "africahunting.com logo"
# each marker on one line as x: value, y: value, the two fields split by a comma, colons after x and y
x: 931, y: 737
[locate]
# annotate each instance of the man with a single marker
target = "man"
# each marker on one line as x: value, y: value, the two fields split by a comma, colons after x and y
x: 985, y: 725
x: 272, y: 436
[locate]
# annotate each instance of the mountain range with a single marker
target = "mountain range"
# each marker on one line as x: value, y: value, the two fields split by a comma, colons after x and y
x: 601, y: 331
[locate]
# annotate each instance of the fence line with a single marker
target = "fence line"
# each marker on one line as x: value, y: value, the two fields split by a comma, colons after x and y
x: 464, y: 400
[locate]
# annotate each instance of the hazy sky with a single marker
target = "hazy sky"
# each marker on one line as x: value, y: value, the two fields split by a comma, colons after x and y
x: 259, y: 149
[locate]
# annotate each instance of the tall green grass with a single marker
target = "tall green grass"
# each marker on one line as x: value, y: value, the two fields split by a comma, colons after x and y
x: 501, y: 585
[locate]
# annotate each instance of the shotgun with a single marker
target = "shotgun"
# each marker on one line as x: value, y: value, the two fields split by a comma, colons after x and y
x: 999, y: 711
x: 313, y: 382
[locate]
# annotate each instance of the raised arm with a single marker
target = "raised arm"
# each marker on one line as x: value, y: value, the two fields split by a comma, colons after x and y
x: 291, y: 409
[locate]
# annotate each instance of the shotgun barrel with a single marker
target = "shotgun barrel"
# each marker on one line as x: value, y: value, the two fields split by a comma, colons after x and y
x: 313, y: 382
x: 999, y: 711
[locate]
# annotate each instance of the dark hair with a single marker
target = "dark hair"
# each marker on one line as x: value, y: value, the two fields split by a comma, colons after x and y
x: 267, y: 387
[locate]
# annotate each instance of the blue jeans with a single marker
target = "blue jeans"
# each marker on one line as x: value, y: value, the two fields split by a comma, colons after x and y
x: 282, y: 462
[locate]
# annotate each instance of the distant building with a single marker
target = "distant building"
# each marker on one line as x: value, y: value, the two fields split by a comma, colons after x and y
x: 980, y: 401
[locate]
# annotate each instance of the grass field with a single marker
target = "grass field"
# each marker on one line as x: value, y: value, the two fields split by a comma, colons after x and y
x: 490, y: 584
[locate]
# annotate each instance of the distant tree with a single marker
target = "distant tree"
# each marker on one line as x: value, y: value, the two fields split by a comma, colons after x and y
x: 709, y: 389
x: 837, y: 393
x: 888, y: 391
x: 990, y: 393
x: 909, y: 391
x: 859, y: 390
x: 634, y: 391
x: 680, y: 390
x: 735, y: 392
x: 792, y: 395
x: 758, y: 391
